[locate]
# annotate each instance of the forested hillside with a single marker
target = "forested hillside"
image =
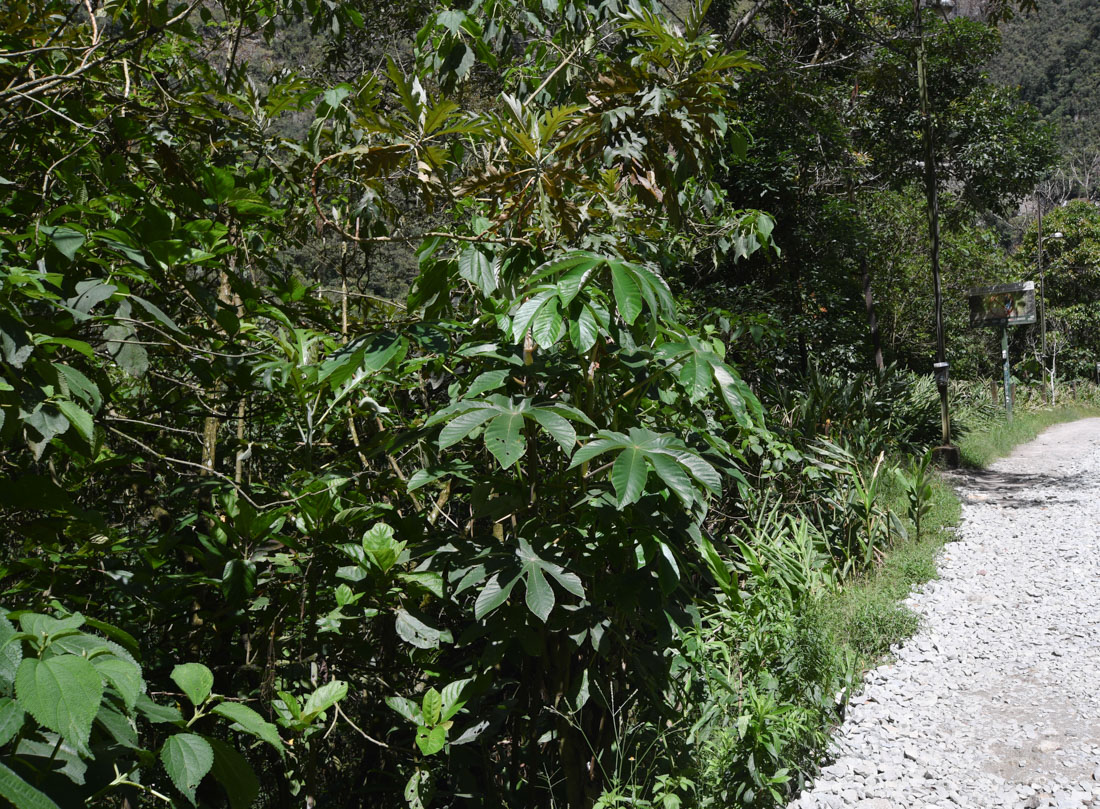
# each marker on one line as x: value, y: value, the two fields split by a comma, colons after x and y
x: 1053, y: 56
x: 428, y: 406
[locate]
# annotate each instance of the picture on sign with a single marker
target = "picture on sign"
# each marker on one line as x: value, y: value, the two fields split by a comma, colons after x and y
x: 1003, y: 305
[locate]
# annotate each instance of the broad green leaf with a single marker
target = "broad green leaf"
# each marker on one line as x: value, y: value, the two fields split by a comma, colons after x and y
x: 521, y: 322
x: 504, y: 438
x: 66, y: 240
x: 629, y: 474
x: 475, y: 264
x: 62, y: 694
x: 492, y: 595
x: 429, y: 580
x: 571, y: 582
x: 431, y: 706
x: 406, y: 707
x: 452, y: 698
x: 415, y: 632
x: 547, y: 326
x: 250, y: 722
x: 570, y: 284
x: 431, y: 741
x: 187, y: 758
x: 325, y: 697
x: 594, y: 448
x: 485, y: 382
x: 80, y: 386
x: 695, y: 377
x: 158, y: 714
x: 121, y: 728
x: 559, y: 428
x: 673, y: 475
x: 700, y: 470
x: 195, y: 679
x: 235, y: 774
x: 380, y: 545
x: 46, y: 626
x: 540, y: 595
x: 11, y: 719
x: 628, y: 298
x: 21, y: 794
x: 11, y: 653
x: 461, y: 426
x: 584, y: 330
x: 79, y: 418
x: 123, y: 675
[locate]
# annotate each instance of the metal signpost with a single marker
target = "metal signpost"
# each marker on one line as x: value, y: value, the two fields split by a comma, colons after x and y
x: 1004, y: 305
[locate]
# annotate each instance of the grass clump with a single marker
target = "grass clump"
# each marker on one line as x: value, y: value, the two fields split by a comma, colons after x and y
x: 979, y: 448
x: 865, y: 616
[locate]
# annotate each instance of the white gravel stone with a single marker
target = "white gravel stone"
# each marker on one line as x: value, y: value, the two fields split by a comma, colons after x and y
x: 996, y: 700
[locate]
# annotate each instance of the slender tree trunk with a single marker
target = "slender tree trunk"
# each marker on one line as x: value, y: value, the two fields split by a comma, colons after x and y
x: 872, y: 321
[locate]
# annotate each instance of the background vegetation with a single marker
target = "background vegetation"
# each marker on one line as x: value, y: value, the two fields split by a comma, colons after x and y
x: 504, y: 405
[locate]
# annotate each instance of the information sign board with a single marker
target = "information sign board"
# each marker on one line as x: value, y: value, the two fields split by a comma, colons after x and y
x: 1003, y: 305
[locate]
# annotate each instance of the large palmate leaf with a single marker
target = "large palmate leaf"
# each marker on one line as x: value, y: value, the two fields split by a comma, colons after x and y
x: 584, y: 276
x: 536, y: 574
x: 504, y: 418
x: 683, y: 470
x: 700, y: 369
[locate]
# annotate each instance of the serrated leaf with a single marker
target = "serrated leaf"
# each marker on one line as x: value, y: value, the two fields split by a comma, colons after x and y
x: 235, y: 774
x: 187, y: 758
x: 628, y: 475
x: 11, y: 653
x: 62, y: 694
x: 492, y: 595
x: 325, y: 697
x: 158, y: 714
x: 250, y: 722
x: 123, y: 675
x: 21, y: 794
x: 11, y: 719
x: 504, y: 438
x: 540, y: 595
x: 195, y: 679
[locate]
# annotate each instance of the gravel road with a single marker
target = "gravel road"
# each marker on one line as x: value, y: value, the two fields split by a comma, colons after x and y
x: 996, y: 700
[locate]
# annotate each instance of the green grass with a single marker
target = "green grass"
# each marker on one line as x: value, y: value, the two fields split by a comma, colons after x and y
x: 866, y: 617
x: 980, y: 448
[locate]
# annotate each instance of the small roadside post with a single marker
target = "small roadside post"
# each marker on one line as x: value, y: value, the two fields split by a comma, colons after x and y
x: 1004, y: 305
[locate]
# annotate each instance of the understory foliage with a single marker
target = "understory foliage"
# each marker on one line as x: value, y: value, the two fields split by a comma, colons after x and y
x: 509, y: 539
